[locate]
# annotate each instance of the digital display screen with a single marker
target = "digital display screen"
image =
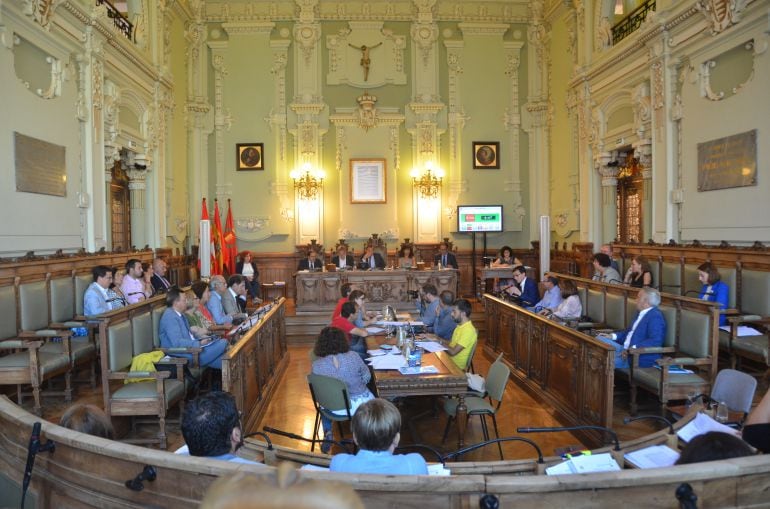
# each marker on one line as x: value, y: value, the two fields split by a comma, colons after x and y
x: 480, y: 218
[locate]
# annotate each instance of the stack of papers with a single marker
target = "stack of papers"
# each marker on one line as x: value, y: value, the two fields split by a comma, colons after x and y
x: 655, y: 456
x: 438, y: 469
x: 375, y: 330
x: 743, y: 330
x: 400, y: 324
x: 430, y: 346
x: 703, y: 424
x: 585, y: 465
x: 387, y: 361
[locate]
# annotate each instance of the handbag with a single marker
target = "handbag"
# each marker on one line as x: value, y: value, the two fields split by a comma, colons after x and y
x: 476, y: 382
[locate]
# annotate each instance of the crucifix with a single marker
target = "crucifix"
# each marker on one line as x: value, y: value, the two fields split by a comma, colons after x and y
x: 365, y: 60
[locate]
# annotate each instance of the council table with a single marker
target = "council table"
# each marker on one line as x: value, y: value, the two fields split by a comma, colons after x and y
x: 449, y: 381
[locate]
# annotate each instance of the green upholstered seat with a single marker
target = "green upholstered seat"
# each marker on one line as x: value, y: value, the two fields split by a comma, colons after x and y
x: 173, y: 390
x: 49, y: 362
x: 81, y: 348
x: 649, y: 378
x: 755, y: 346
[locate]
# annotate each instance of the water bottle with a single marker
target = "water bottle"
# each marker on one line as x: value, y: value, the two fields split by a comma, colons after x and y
x: 722, y: 412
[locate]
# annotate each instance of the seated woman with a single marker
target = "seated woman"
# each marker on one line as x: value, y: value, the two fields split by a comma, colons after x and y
x: 505, y: 258
x: 639, y: 274
x: 336, y: 360
x: 147, y: 273
x: 406, y: 258
x: 202, y: 314
x: 570, y: 307
x: 248, y: 269
x: 713, y: 290
x: 115, y: 297
x: 363, y: 318
x: 194, y: 321
x: 376, y: 430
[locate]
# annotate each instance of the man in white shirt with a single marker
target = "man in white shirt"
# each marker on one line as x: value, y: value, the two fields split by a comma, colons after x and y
x: 95, y: 300
x: 552, y: 296
x: 133, y: 284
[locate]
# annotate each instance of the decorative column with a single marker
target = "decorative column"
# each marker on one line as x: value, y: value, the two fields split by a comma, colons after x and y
x: 643, y: 151
x: 456, y: 122
x: 222, y: 117
x: 308, y: 106
x: 137, y: 186
x: 423, y: 124
x: 512, y: 123
x: 609, y: 211
x: 538, y: 116
x: 278, y: 123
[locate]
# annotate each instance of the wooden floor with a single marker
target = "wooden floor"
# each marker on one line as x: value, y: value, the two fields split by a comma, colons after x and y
x: 291, y: 409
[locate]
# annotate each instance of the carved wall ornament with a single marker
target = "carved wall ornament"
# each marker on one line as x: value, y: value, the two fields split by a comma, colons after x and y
x: 604, y: 34
x: 307, y: 35
x: 367, y: 112
x: 642, y: 105
x: 41, y: 11
x: 424, y: 36
x: 721, y: 14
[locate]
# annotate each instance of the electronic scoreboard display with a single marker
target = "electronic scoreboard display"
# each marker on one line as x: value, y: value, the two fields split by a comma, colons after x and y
x: 480, y: 218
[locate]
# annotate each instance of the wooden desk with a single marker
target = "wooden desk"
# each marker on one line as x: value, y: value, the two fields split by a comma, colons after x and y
x: 449, y: 381
x: 487, y: 275
x: 319, y: 291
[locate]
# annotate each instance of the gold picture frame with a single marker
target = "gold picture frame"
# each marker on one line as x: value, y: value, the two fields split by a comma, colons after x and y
x: 249, y: 157
x: 368, y: 181
x: 486, y: 155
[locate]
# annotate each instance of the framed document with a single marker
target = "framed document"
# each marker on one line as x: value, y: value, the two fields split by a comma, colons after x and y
x: 368, y: 181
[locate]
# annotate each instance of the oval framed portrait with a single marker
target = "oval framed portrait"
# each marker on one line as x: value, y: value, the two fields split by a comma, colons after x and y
x: 486, y: 155
x: 249, y: 156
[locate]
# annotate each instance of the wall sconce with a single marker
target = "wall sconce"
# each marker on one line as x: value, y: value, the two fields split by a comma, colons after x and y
x: 429, y: 183
x: 307, y: 181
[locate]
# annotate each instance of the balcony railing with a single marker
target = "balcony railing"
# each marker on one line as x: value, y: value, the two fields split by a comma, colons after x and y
x: 633, y: 21
x: 118, y: 19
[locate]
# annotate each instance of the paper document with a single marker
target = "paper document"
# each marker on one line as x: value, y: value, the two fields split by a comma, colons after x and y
x: 438, y: 469
x: 386, y: 323
x: 431, y: 346
x: 701, y: 424
x: 377, y: 352
x: 387, y: 361
x: 585, y: 464
x: 314, y: 467
x: 743, y: 330
x: 375, y: 330
x: 655, y: 456
x: 418, y: 370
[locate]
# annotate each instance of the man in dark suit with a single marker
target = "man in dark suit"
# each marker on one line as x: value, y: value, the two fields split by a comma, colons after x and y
x: 647, y: 330
x: 310, y: 263
x: 158, y: 279
x: 174, y: 332
x: 342, y: 259
x: 371, y: 260
x: 444, y: 257
x: 525, y: 289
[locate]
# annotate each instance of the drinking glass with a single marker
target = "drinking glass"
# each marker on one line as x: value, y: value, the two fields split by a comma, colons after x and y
x: 722, y: 414
x: 691, y: 398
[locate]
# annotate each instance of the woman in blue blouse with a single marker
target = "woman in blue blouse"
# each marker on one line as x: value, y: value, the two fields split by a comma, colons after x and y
x: 713, y: 289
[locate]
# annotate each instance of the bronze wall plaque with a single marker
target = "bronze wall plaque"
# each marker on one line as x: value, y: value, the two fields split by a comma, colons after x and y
x: 728, y: 162
x: 40, y: 166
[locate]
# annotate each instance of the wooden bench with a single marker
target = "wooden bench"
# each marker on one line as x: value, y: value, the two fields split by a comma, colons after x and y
x: 691, y: 338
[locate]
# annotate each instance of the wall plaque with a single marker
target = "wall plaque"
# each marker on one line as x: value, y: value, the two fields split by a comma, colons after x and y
x: 728, y: 162
x: 40, y: 166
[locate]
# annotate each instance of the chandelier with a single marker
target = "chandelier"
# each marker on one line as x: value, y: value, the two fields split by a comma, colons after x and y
x: 428, y: 183
x: 307, y: 182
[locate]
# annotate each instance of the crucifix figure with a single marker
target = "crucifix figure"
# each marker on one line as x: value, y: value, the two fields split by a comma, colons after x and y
x: 365, y: 60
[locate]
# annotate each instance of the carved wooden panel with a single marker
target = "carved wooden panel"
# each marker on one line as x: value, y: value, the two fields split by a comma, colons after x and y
x: 537, y: 349
x: 521, y: 343
x: 597, y: 378
x: 561, y: 379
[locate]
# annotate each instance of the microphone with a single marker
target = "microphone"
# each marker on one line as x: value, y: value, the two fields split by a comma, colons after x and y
x: 672, y: 440
x: 267, y: 429
x: 479, y: 445
x: 32, y: 450
x: 572, y: 428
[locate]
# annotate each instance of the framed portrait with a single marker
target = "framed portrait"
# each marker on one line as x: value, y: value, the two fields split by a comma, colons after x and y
x: 249, y: 156
x: 486, y: 155
x: 368, y: 183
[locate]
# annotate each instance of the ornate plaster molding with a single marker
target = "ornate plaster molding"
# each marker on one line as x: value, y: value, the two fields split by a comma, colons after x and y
x: 721, y: 14
x: 246, y: 27
x: 253, y: 228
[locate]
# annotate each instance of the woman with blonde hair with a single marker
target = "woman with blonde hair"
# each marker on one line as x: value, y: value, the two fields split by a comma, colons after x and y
x: 639, y: 274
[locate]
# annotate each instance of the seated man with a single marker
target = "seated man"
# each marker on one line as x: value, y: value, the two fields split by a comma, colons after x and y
x: 714, y: 446
x: 215, y: 306
x: 342, y: 259
x: 464, y: 336
x: 607, y: 249
x: 376, y: 430
x: 310, y: 263
x: 133, y: 284
x: 371, y: 260
x: 429, y: 305
x: 96, y: 300
x: 174, y: 332
x: 354, y: 334
x: 604, y: 271
x: 551, y: 297
x: 647, y: 330
x: 158, y: 279
x: 445, y: 325
x: 525, y: 289
x: 211, y: 427
x: 444, y: 257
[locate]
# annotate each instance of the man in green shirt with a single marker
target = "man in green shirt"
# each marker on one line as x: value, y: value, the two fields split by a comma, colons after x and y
x: 464, y: 336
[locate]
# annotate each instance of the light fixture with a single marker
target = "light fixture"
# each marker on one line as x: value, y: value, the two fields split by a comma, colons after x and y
x: 618, y: 7
x: 307, y: 181
x: 428, y: 183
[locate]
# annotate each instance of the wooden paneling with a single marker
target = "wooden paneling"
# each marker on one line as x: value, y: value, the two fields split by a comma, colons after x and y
x: 566, y: 368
